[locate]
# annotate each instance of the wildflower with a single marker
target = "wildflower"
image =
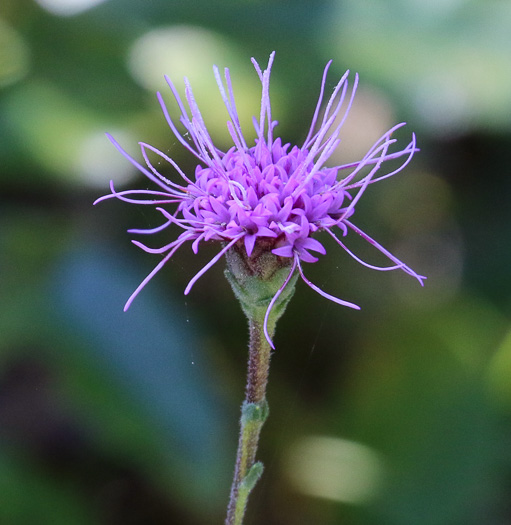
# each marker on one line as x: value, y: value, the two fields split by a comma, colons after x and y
x: 269, y: 197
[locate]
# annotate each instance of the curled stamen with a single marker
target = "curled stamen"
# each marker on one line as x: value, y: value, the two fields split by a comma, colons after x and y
x: 358, y: 259
x: 199, y: 274
x: 121, y: 196
x: 155, y: 270
x: 385, y: 252
x: 321, y: 292
x: 274, y: 300
x: 150, y: 231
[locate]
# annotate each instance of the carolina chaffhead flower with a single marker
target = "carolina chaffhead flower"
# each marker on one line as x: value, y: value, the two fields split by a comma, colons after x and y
x: 269, y: 196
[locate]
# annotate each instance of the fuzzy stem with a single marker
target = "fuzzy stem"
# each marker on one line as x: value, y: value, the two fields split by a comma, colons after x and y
x: 256, y: 281
x: 254, y: 412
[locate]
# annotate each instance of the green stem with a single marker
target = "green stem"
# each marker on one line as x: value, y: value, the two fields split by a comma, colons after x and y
x: 255, y: 281
x: 253, y: 415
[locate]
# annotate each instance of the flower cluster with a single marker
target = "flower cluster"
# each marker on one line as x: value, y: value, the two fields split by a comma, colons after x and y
x: 267, y: 194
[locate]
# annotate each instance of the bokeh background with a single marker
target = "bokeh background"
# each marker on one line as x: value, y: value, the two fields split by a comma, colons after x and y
x: 399, y: 414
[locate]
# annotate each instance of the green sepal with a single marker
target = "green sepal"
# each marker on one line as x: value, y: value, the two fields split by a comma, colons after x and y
x: 256, y: 280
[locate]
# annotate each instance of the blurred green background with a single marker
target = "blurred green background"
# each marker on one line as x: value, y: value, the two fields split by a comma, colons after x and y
x: 399, y: 414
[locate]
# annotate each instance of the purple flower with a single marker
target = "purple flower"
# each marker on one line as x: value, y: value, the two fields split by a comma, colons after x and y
x: 272, y: 194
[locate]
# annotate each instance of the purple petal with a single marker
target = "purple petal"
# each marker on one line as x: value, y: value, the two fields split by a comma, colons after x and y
x: 283, y: 251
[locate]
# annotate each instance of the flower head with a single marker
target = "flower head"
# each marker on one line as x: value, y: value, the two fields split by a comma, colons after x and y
x: 269, y: 195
